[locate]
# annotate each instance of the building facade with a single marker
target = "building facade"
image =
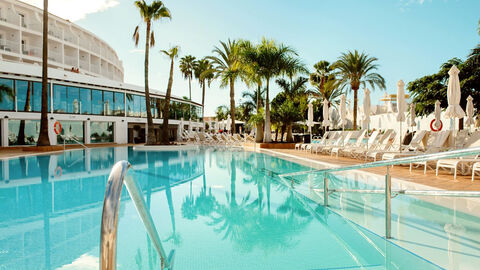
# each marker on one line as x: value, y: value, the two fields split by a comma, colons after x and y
x: 87, y: 95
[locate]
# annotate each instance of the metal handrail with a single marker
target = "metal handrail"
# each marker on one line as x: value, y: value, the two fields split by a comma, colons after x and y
x: 388, y: 180
x: 74, y: 139
x: 111, y: 206
x: 405, y: 160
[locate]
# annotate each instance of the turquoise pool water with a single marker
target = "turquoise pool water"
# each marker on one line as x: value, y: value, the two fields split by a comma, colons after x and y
x: 218, y: 208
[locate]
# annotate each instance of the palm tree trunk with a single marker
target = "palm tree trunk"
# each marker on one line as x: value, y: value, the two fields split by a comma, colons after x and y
x: 267, y: 137
x: 259, y: 126
x: 276, y: 134
x: 232, y: 104
x: 151, y: 138
x: 289, y: 133
x: 203, y: 98
x: 355, y: 104
x: 43, y: 139
x: 190, y: 87
x: 166, y: 108
x: 21, y: 129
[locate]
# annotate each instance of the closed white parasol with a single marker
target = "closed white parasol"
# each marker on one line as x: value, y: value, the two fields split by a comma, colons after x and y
x: 469, y: 120
x: 326, y: 116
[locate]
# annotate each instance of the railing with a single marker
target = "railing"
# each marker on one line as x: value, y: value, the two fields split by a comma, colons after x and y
x: 9, y: 45
x: 84, y: 64
x: 111, y: 206
x: 32, y: 51
x: 35, y: 27
x: 55, y: 56
x: 73, y: 138
x: 71, y: 60
x: 388, y: 182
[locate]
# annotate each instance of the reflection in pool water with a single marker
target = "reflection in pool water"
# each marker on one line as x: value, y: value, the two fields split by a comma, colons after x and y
x: 217, y: 208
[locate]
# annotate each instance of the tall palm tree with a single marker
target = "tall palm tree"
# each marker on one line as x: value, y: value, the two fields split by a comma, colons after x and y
x: 355, y: 70
x: 171, y: 53
x: 226, y: 61
x: 187, y: 65
x: 43, y: 139
x: 205, y: 73
x: 323, y: 71
x: 270, y: 60
x: 149, y: 14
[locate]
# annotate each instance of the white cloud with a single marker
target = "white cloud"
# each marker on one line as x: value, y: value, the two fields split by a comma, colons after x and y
x: 74, y: 10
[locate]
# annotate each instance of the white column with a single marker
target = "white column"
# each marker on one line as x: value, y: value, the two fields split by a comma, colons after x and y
x: 51, y: 133
x: 4, y: 132
x: 86, y: 129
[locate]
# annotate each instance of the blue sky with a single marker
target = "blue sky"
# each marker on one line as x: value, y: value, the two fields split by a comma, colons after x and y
x: 411, y: 38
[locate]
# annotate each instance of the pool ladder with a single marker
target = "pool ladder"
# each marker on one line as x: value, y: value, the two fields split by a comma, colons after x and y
x: 111, y: 206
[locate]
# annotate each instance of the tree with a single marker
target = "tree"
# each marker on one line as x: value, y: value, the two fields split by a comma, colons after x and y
x: 356, y: 70
x: 323, y: 72
x: 149, y: 14
x: 270, y: 59
x: 171, y: 53
x: 221, y: 112
x: 329, y: 90
x: 205, y: 73
x: 226, y: 61
x: 43, y: 139
x: 187, y: 65
x: 428, y: 89
x: 291, y: 103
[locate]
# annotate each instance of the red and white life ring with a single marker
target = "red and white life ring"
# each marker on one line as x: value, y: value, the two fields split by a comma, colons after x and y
x: 57, y: 127
x: 432, y: 127
x: 58, y: 172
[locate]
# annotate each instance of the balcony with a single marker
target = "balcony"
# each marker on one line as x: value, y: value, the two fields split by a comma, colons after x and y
x: 84, y: 64
x: 55, y: 56
x: 10, y: 17
x: 35, y: 27
x: 69, y: 37
x: 71, y: 60
x: 9, y: 45
x: 32, y: 51
x: 54, y: 32
x: 95, y: 48
x: 95, y: 69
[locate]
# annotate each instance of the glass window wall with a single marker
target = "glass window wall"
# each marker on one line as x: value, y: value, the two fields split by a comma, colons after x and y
x: 97, y: 102
x: 101, y: 132
x: 23, y: 132
x: 130, y: 105
x: 24, y: 90
x: 71, y: 131
x: 119, y: 109
x: 37, y: 97
x: 59, y: 98
x: 73, y: 97
x: 85, y: 101
x: 7, y: 95
x: 108, y: 102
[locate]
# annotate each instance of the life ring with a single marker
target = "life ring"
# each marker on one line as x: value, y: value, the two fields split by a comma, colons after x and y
x: 58, y: 172
x: 433, y: 128
x: 57, y: 127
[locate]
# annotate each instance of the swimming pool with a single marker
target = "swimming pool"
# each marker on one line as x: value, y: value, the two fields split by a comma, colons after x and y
x: 218, y: 208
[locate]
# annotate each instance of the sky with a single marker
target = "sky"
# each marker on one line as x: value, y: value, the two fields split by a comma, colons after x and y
x: 411, y: 38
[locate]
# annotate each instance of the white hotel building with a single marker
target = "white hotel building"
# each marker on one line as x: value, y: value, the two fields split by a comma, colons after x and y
x: 87, y: 93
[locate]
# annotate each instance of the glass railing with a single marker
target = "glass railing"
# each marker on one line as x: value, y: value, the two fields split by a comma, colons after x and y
x: 289, y: 179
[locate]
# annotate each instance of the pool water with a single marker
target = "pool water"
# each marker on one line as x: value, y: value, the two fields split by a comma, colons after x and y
x: 217, y: 208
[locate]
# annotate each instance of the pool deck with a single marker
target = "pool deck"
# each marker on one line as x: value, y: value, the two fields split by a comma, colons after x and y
x: 443, y: 181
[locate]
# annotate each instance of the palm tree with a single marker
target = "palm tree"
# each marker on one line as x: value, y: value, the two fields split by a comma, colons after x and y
x: 149, y: 14
x: 329, y: 91
x: 187, y: 65
x: 270, y: 60
x: 323, y: 71
x: 172, y: 53
x: 228, y: 67
x: 204, y: 72
x: 356, y: 70
x: 43, y: 139
x: 253, y: 100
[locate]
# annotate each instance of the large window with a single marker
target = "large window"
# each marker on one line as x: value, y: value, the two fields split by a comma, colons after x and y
x: 73, y: 104
x: 71, y: 131
x: 108, y: 102
x: 101, y: 132
x: 143, y: 107
x: 23, y: 132
x: 119, y: 109
x: 24, y: 90
x: 97, y: 102
x: 7, y: 95
x: 137, y: 106
x: 59, y: 98
x: 85, y: 101
x: 37, y: 97
x: 130, y: 105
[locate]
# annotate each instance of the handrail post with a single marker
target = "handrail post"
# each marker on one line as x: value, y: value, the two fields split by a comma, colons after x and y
x: 111, y: 206
x: 325, y: 189
x: 388, y: 204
